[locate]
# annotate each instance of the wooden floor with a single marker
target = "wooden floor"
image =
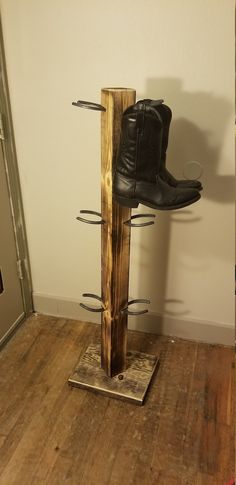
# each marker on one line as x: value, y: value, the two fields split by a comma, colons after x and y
x: 53, y: 434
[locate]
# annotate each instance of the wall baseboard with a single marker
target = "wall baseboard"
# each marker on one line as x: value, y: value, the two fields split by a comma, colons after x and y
x: 151, y: 322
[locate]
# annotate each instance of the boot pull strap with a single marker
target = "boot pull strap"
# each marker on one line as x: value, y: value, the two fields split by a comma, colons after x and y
x: 156, y: 102
x: 151, y: 102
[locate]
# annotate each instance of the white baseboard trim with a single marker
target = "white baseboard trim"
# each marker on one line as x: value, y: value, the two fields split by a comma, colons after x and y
x: 151, y: 322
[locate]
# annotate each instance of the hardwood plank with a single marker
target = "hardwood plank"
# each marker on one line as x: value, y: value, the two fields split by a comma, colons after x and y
x: 210, y: 437
x: 52, y: 431
x: 205, y: 479
x: 171, y: 409
x: 20, y: 389
x: 90, y: 465
x: 11, y: 379
x: 18, y: 348
x: 43, y: 388
x: 56, y: 459
x: 183, y: 434
x: 74, y: 454
x: 109, y: 436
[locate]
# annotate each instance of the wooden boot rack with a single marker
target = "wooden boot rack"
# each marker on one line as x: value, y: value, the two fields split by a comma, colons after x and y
x: 107, y: 367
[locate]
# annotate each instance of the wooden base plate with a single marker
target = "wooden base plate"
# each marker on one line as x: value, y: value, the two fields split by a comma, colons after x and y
x: 131, y: 385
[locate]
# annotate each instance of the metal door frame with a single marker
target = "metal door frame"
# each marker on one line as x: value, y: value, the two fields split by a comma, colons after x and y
x: 13, y: 180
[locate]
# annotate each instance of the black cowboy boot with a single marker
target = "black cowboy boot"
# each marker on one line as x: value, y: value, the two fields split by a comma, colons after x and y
x: 137, y: 177
x: 166, y: 116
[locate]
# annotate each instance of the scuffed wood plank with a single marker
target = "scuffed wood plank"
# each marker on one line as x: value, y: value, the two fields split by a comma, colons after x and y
x: 64, y: 435
x: 131, y: 386
x: 215, y: 433
x: 209, y: 441
x: 30, y: 409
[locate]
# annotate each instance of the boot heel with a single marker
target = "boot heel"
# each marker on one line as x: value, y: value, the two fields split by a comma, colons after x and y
x: 132, y: 203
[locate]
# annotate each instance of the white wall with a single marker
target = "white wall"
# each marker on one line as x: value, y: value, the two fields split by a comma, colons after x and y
x: 59, y: 51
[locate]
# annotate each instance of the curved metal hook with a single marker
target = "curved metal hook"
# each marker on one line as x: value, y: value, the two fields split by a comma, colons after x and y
x: 92, y: 309
x: 87, y: 221
x: 136, y: 312
x: 140, y: 224
x: 88, y: 105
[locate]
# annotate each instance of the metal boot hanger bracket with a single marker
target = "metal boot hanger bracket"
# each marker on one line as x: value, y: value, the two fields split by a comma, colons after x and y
x: 89, y: 105
x: 107, y: 367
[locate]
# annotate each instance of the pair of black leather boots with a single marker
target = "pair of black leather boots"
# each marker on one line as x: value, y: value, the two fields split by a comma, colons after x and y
x: 141, y: 175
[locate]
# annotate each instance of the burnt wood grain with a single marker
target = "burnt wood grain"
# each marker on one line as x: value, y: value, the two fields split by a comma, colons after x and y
x: 131, y: 385
x: 115, y: 235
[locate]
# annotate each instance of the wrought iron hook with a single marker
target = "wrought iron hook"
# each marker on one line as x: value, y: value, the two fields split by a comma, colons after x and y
x: 136, y: 312
x: 140, y: 224
x: 88, y: 105
x: 88, y: 221
x: 92, y: 309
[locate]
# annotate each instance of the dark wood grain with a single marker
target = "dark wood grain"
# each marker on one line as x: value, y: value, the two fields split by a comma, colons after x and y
x: 51, y: 434
x: 131, y: 385
x: 115, y: 237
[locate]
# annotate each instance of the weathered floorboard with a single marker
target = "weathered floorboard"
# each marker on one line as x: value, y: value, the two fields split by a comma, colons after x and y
x: 183, y: 435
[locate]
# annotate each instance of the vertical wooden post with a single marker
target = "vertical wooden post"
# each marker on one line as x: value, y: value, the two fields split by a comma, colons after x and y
x: 100, y: 364
x: 115, y: 237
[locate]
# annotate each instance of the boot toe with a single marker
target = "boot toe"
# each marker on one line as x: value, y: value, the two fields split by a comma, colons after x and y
x: 189, y: 184
x: 187, y: 196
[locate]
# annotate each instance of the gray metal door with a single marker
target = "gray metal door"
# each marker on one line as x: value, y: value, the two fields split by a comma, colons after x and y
x: 11, y: 300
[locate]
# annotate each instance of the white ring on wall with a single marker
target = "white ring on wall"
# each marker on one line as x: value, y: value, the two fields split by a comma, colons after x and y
x: 192, y: 170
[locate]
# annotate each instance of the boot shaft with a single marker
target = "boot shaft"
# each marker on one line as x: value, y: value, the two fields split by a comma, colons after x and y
x: 165, y: 113
x: 166, y: 116
x: 141, y: 143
